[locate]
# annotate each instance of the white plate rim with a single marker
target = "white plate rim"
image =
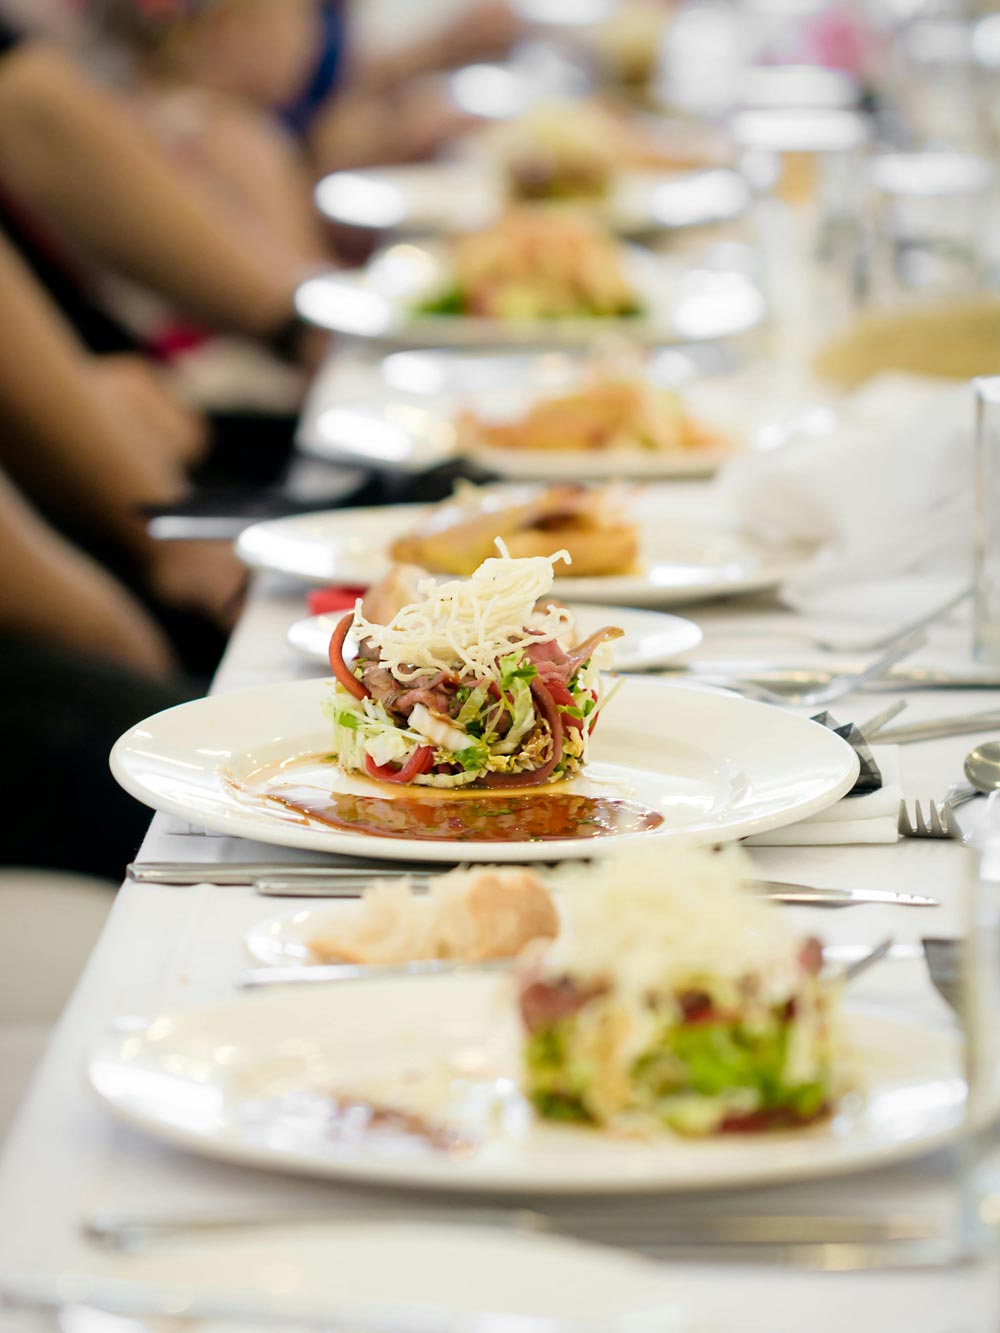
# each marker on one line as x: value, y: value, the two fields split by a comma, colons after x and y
x: 617, y: 210
x: 319, y: 440
x: 391, y: 318
x: 689, y: 635
x: 237, y: 821
x: 756, y: 1171
x: 611, y: 590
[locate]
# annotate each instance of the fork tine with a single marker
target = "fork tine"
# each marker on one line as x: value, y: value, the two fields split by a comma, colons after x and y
x: 953, y: 827
x: 939, y: 822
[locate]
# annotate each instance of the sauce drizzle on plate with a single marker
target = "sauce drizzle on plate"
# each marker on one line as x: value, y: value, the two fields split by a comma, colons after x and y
x: 544, y: 817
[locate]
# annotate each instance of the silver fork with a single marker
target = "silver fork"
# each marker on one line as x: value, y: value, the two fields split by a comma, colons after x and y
x: 832, y: 644
x: 902, y: 646
x: 939, y: 823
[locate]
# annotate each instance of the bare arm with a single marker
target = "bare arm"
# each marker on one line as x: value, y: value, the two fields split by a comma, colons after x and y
x: 479, y: 32
x: 51, y: 591
x: 78, y: 156
x: 60, y: 435
x: 263, y: 174
x: 68, y: 440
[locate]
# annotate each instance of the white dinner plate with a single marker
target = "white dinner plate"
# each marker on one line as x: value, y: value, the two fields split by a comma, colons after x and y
x: 715, y: 766
x: 399, y: 1270
x: 449, y: 197
x: 682, y: 559
x: 652, y: 639
x: 388, y: 431
x: 250, y: 1081
x: 380, y: 302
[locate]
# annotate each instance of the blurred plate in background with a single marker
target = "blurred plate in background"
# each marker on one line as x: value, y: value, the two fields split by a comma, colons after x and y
x: 682, y: 559
x: 381, y: 300
x: 651, y: 639
x: 462, y: 196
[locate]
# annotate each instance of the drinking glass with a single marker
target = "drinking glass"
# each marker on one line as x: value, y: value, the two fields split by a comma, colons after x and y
x: 986, y: 524
x: 929, y: 220
x: 805, y: 165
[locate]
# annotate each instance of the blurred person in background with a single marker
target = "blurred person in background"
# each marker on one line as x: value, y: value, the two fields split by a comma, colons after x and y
x: 94, y: 441
x: 81, y: 661
x: 87, y: 192
x: 236, y: 70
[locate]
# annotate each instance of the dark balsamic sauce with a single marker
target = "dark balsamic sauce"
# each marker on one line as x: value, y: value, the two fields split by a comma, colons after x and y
x: 544, y: 817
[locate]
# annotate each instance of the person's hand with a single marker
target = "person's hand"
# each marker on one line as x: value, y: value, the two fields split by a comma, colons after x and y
x: 203, y: 576
x: 133, y: 388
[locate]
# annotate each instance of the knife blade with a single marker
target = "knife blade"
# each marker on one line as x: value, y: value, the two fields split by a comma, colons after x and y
x: 902, y: 675
x: 809, y: 895
x: 255, y: 978
x: 964, y: 724
x: 250, y: 872
x: 806, y: 895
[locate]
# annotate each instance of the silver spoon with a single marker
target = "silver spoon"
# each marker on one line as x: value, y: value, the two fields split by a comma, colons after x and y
x: 982, y: 768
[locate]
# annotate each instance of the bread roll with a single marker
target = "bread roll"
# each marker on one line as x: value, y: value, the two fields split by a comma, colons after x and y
x: 594, y: 551
x: 467, y: 915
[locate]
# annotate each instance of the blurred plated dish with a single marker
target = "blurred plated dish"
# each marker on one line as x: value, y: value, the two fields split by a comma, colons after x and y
x: 652, y: 639
x: 631, y: 175
x: 602, y: 417
x: 468, y: 915
x: 467, y: 1082
x: 540, y: 276
x: 447, y: 197
x: 684, y: 551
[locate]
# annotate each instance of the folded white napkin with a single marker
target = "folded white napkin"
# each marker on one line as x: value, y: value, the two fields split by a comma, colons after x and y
x: 891, y: 497
x: 855, y: 819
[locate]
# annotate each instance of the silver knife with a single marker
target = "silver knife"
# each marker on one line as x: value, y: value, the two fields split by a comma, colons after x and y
x: 250, y: 872
x: 961, y: 724
x: 807, y: 895
x: 811, y: 896
x: 901, y: 676
x: 295, y: 974
x: 856, y: 958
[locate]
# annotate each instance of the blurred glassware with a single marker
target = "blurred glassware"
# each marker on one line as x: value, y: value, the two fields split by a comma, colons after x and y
x: 986, y: 529
x: 805, y: 167
x: 977, y: 972
x: 932, y: 80
x: 799, y: 87
x: 929, y: 226
x: 538, y: 71
x: 704, y: 54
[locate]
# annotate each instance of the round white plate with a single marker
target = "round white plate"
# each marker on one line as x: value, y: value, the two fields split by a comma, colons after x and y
x: 384, y: 1267
x: 387, y: 431
x: 283, y: 940
x: 652, y: 638
x: 681, y: 559
x: 717, y: 767
x: 449, y: 197
x: 380, y: 300
x: 248, y: 1081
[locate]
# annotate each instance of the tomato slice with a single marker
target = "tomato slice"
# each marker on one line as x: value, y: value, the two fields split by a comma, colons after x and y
x: 338, y: 666
x: 420, y: 761
x: 324, y: 601
x: 562, y: 698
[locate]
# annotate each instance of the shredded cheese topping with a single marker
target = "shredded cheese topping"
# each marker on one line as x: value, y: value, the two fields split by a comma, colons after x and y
x: 650, y: 920
x: 469, y: 624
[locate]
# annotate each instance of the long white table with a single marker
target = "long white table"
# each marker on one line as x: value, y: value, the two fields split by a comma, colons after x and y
x: 171, y: 948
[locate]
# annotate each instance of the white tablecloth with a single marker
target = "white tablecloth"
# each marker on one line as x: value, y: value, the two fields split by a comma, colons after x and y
x: 170, y: 948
